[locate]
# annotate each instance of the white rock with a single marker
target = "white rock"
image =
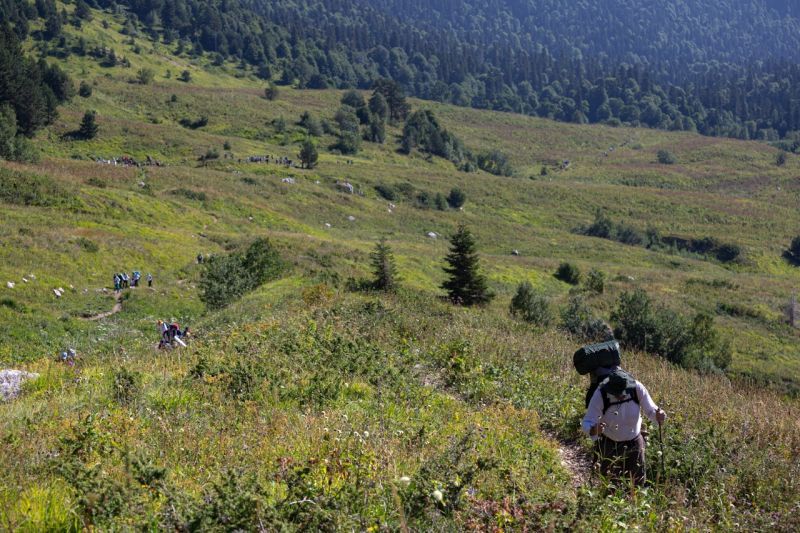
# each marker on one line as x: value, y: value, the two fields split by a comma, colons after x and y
x: 351, y: 218
x: 327, y: 225
x: 405, y: 481
x: 437, y: 495
x: 11, y: 382
x: 57, y: 293
x: 432, y: 234
x: 10, y: 284
x: 290, y: 181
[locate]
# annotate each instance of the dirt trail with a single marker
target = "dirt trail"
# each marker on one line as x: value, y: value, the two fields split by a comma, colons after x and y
x: 114, y: 310
x: 574, y: 458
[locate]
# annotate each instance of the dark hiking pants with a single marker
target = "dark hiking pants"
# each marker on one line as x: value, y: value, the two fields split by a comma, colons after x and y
x: 621, y: 460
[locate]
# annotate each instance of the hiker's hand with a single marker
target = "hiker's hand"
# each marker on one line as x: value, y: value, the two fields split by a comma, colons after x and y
x: 597, y: 430
x: 660, y: 416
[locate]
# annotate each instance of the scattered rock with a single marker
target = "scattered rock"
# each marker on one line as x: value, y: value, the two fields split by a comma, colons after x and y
x: 515, y: 252
x: 11, y: 382
x: 290, y: 181
x: 351, y: 218
x: 10, y: 284
x: 57, y: 292
x: 327, y: 225
x: 432, y: 235
x: 25, y: 280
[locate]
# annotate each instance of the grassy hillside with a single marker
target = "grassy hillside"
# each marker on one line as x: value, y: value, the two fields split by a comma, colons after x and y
x: 306, y: 404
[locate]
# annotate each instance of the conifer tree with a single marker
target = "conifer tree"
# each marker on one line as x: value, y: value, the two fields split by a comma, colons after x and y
x: 88, y: 129
x: 466, y: 286
x: 383, y: 267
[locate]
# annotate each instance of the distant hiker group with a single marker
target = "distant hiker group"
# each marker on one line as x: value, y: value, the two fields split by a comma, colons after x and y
x: 614, y: 402
x: 124, y: 281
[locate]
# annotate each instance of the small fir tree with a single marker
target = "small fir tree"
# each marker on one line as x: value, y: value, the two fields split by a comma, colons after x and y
x: 89, y: 128
x: 384, y: 269
x: 466, y: 286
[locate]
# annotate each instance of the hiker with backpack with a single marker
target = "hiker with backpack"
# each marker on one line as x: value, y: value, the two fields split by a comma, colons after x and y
x: 613, y: 418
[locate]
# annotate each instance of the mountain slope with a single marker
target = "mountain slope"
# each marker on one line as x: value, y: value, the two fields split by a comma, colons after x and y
x: 309, y: 405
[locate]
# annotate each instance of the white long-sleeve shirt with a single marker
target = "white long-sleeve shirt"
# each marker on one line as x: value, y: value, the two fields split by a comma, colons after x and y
x: 623, y: 421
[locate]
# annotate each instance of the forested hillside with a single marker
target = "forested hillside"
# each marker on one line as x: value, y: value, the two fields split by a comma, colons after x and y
x: 720, y: 68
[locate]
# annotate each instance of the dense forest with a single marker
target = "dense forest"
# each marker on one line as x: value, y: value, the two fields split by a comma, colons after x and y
x: 721, y: 67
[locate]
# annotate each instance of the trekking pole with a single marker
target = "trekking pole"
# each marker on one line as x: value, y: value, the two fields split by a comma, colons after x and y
x: 661, y: 444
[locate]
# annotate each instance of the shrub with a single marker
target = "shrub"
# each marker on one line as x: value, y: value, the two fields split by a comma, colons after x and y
x: 386, y: 192
x: 145, y: 76
x: 456, y: 198
x: 780, y: 160
x: 665, y: 157
x: 596, y: 281
x: 194, y: 124
x: 126, y: 386
x: 190, y: 194
x: 87, y: 244
x: 33, y: 190
x: 568, y: 273
x: 577, y: 318
x: 792, y: 254
x: 691, y: 343
x: 185, y: 76
x: 227, y: 277
x: 271, y: 92
x: 308, y: 154
x: 495, y: 162
x: 85, y: 90
x: 530, y: 306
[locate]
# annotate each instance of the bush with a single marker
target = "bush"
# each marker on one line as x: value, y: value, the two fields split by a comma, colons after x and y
x: 496, y: 163
x: 386, y: 192
x: 780, y: 160
x: 596, y: 281
x: 271, y: 92
x: 665, y: 157
x: 190, y: 194
x: 227, y: 278
x: 194, y: 124
x: 185, y: 76
x: 85, y: 90
x: 456, y: 198
x: 568, y: 273
x: 792, y: 254
x: 145, y: 76
x: 530, y: 306
x: 87, y: 244
x: 577, y: 318
x: 691, y: 343
x: 126, y: 386
x: 33, y: 190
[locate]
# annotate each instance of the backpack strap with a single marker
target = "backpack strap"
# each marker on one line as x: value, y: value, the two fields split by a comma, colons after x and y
x: 633, y: 396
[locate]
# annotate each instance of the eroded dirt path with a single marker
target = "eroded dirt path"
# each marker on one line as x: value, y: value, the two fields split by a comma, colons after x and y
x: 114, y: 310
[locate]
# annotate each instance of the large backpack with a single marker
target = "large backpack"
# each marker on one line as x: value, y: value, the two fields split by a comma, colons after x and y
x: 594, y: 356
x: 618, y: 383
